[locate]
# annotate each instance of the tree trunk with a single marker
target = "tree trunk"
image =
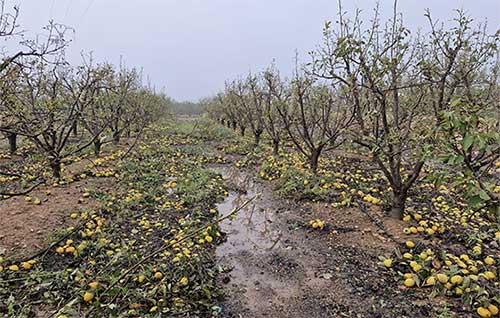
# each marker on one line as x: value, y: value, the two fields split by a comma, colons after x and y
x: 12, y: 142
x: 97, y: 147
x: 234, y: 125
x: 74, y: 128
x: 398, y: 204
x: 276, y: 147
x: 55, y: 164
x: 257, y: 137
x: 313, y: 160
x: 242, y: 131
x: 116, y: 137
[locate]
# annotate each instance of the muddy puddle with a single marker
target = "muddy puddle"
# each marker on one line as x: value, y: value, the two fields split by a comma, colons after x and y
x: 264, y: 269
x: 252, y: 228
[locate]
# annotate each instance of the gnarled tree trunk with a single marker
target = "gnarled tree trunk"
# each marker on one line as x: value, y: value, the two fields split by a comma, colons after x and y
x: 314, y: 159
x: 55, y: 165
x: 398, y: 204
x: 12, y: 142
x: 97, y: 147
x: 257, y: 136
x: 276, y: 147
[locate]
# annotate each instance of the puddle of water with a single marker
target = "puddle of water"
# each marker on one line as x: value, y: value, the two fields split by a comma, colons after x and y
x: 251, y: 229
x: 254, y: 240
x: 251, y: 239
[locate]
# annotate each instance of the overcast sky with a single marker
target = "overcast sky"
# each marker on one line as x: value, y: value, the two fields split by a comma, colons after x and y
x: 190, y: 47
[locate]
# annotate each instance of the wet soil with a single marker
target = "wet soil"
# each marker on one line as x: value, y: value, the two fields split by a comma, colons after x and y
x: 277, y: 266
x: 26, y: 227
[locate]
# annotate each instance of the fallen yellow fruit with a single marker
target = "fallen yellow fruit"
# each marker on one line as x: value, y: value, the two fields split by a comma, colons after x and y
x: 493, y: 309
x: 483, y: 312
x: 443, y: 279
x: 26, y: 265
x: 388, y: 262
x: 158, y: 275
x: 409, y: 282
x: 431, y: 280
x: 490, y: 275
x: 88, y: 296
x: 456, y: 279
x: 489, y: 260
x: 184, y: 281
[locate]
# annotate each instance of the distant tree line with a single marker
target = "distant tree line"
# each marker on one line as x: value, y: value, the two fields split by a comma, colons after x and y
x: 188, y: 108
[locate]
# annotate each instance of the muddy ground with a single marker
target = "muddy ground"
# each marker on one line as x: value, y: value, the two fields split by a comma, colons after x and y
x: 277, y: 266
x: 27, y: 227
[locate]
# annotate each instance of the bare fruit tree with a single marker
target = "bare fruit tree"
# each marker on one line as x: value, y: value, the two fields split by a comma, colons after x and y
x: 46, y: 46
x: 276, y: 95
x: 236, y: 99
x: 124, y: 82
x: 315, y: 119
x: 378, y: 68
x: 462, y: 69
x: 49, y: 99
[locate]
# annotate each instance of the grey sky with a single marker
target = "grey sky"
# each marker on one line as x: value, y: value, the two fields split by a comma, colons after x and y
x: 191, y: 47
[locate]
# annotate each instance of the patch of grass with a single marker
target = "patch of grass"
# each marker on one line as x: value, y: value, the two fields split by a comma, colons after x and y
x: 199, y: 186
x: 205, y: 129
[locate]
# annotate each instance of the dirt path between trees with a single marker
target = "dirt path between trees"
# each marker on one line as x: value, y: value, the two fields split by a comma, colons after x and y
x: 277, y: 266
x: 268, y: 269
